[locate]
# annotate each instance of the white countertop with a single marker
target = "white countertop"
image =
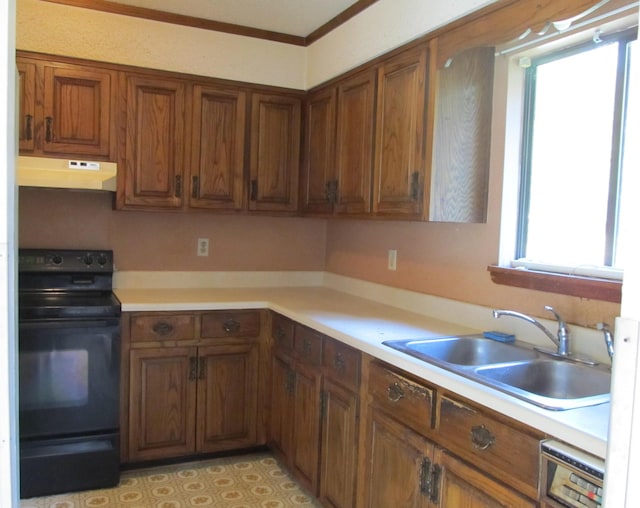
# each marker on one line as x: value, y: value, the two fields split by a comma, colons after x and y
x: 364, y: 324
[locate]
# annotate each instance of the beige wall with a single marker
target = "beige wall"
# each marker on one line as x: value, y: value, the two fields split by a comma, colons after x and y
x: 167, y: 241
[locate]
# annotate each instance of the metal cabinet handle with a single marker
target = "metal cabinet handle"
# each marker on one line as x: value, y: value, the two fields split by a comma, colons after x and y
x: 193, y: 368
x: 231, y: 326
x: 278, y: 333
x: 28, y: 128
x: 338, y: 363
x: 481, y: 437
x: 306, y: 347
x: 415, y: 186
x: 254, y: 190
x: 163, y: 328
x: 48, y: 129
x: 395, y: 392
x: 178, y: 190
x: 195, y: 187
x: 202, y: 373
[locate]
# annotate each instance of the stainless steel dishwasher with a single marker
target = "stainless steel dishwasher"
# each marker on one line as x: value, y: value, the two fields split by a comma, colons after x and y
x: 569, y: 477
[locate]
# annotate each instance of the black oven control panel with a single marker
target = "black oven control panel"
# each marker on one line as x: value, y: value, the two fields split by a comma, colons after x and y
x: 58, y: 260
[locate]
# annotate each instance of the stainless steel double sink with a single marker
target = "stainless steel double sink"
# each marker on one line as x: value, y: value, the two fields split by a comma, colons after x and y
x: 514, y: 368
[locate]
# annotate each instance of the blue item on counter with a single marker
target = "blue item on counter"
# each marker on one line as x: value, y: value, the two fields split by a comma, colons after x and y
x: 500, y: 336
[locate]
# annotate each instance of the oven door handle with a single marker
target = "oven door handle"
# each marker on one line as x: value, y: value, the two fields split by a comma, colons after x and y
x: 85, y: 281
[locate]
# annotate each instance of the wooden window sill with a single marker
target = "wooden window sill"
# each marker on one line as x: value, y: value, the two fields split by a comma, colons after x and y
x: 573, y: 285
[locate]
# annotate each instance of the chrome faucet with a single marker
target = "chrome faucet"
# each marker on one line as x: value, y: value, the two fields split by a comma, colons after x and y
x: 608, y: 337
x: 561, y: 340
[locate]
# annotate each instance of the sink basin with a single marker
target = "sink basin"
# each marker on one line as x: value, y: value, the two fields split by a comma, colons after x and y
x: 464, y: 350
x: 552, y: 384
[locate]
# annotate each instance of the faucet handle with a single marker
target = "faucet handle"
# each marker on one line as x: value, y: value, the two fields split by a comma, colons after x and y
x: 562, y: 324
x: 608, y: 337
x: 563, y: 332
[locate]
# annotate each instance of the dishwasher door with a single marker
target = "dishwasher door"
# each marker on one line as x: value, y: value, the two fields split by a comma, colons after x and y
x: 569, y: 477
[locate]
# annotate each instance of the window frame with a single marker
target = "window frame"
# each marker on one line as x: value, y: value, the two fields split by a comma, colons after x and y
x: 624, y: 38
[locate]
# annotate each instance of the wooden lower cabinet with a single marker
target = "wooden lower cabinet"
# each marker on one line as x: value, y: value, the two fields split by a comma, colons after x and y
x: 188, y: 400
x: 395, y: 461
x: 192, y: 382
x: 339, y: 453
x: 162, y: 403
x: 407, y: 461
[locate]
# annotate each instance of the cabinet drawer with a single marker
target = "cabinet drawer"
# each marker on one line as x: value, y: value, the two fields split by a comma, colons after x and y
x: 341, y: 363
x: 230, y: 324
x: 307, y: 344
x: 407, y: 401
x: 158, y: 326
x: 496, y: 447
x: 282, y: 330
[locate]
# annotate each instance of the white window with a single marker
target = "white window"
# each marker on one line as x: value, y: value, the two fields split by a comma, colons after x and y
x: 578, y: 158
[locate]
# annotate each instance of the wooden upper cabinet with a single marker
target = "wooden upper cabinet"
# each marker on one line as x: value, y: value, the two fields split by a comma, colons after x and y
x: 66, y: 109
x: 152, y: 153
x: 399, y: 169
x: 26, y: 105
x: 275, y: 152
x: 217, y: 148
x: 339, y: 147
x: 320, y: 181
x: 354, y: 144
x: 77, y: 110
x: 462, y: 139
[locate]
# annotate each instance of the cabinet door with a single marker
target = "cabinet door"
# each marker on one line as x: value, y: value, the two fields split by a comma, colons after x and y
x: 354, y: 145
x: 306, y: 448
x: 217, y: 150
x: 399, y: 169
x: 396, y: 460
x: 227, y: 403
x: 153, y: 154
x: 26, y: 105
x: 463, y: 485
x: 275, y: 153
x: 281, y: 417
x: 338, y: 453
x: 162, y: 402
x: 78, y: 110
x: 320, y: 183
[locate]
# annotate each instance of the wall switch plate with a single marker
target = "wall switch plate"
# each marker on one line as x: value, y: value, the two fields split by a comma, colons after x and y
x: 393, y: 255
x: 203, y: 246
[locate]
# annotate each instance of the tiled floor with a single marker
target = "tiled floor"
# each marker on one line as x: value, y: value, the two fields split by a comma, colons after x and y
x: 248, y: 481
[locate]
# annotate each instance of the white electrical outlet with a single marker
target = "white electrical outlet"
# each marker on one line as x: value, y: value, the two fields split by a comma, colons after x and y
x: 393, y: 255
x: 203, y: 247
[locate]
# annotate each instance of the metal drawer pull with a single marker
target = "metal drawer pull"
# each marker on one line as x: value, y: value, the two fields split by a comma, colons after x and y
x: 395, y: 392
x: 48, y: 130
x: 306, y: 347
x: 481, y: 437
x: 338, y: 363
x: 162, y: 328
x: 231, y: 326
x: 193, y: 368
x: 29, y: 127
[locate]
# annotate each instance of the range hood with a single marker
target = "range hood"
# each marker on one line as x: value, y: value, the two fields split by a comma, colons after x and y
x: 66, y: 174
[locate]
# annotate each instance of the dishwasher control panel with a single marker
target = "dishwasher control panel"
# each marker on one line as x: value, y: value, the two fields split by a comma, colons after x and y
x: 569, y: 476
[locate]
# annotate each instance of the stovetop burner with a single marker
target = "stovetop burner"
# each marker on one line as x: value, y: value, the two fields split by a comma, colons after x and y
x: 66, y: 284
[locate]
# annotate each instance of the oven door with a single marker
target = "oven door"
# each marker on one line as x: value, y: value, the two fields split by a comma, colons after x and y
x: 69, y: 377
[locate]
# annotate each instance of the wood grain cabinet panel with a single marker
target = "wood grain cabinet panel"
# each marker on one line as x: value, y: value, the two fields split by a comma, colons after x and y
x: 66, y: 109
x: 275, y: 152
x: 399, y: 167
x: 339, y: 147
x: 162, y: 403
x: 338, y: 451
x: 462, y: 138
x: 77, y: 110
x: 319, y: 192
x: 217, y: 148
x: 227, y: 397
x: 354, y: 143
x: 189, y: 393
x: 395, y: 461
x: 152, y: 152
x: 463, y: 485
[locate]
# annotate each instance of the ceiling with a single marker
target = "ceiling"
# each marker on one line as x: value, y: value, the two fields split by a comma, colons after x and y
x: 292, y: 21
